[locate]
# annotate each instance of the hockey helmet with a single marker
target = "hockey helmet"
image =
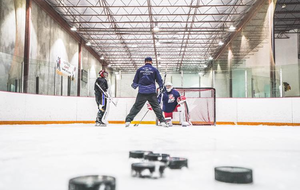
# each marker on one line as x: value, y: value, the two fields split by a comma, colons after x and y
x: 103, y: 73
x: 169, y: 86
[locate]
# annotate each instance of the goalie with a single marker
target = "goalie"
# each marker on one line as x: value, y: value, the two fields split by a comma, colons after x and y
x: 100, y: 88
x: 173, y: 102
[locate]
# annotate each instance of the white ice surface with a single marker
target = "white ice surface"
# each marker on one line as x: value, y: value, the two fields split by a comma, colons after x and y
x: 45, y: 157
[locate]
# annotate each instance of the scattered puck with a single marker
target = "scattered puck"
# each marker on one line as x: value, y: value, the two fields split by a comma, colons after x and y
x: 231, y: 174
x: 146, y: 170
x: 92, y: 182
x: 138, y: 153
x: 157, y: 157
x: 177, y: 162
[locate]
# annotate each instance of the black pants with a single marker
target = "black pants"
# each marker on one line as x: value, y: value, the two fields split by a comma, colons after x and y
x: 140, y: 102
x: 100, y: 100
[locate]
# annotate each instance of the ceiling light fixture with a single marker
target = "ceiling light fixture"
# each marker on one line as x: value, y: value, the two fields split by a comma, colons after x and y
x: 283, y: 6
x: 232, y: 28
x: 210, y: 58
x: 221, y: 43
x: 156, y: 29
x: 102, y: 57
x: 88, y: 44
x: 74, y: 28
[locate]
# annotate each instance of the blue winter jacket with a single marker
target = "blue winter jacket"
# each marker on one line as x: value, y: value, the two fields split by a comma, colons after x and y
x: 145, y: 78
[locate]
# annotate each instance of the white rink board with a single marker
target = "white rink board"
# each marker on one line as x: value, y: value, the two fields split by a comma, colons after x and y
x: 296, y: 110
x: 265, y: 110
x: 226, y: 109
x: 46, y: 157
x: 30, y: 107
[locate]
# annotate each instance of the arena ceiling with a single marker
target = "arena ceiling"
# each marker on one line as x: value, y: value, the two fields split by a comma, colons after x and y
x: 287, y: 18
x: 177, y: 34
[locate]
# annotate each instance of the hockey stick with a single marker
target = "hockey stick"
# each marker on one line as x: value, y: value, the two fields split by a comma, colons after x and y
x: 157, y: 96
x: 137, y: 124
x: 106, y: 94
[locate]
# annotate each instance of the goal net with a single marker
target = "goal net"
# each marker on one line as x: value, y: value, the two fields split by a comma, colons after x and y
x: 200, y: 105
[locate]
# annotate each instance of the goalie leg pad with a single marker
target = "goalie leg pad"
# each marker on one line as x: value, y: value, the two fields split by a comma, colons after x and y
x: 169, y: 121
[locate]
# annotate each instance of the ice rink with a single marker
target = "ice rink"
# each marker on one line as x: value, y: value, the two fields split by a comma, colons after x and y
x: 45, y: 157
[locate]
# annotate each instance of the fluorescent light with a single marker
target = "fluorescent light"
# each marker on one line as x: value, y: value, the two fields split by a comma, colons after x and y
x: 74, y: 28
x: 232, y: 28
x: 221, y: 43
x: 88, y: 44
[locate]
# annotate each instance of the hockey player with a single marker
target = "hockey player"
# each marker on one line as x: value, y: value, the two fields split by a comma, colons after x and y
x: 170, y: 99
x: 100, y: 96
x: 174, y: 102
x: 145, y: 79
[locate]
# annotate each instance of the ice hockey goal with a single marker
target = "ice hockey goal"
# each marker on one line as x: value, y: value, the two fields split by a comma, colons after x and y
x: 201, y: 103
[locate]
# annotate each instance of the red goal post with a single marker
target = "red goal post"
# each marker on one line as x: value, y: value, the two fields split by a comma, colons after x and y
x: 201, y: 103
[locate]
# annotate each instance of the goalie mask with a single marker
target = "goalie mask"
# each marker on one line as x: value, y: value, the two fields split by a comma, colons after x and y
x: 103, y: 74
x: 169, y: 86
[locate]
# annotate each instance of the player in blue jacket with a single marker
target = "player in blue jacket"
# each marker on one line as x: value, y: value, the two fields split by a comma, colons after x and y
x: 170, y: 99
x: 145, y: 79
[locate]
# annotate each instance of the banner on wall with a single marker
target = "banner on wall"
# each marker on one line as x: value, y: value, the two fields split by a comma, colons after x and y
x: 65, y: 69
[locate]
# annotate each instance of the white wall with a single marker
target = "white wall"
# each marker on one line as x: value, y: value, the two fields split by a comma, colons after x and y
x: 28, y: 107
x: 287, y: 50
x: 287, y: 59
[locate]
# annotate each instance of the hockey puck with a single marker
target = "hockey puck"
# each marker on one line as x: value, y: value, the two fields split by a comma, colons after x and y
x: 92, y: 182
x: 138, y: 153
x: 146, y: 170
x: 157, y: 157
x: 177, y: 162
x: 230, y: 174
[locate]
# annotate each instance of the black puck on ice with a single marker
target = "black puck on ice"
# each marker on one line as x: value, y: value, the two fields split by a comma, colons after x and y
x: 92, y: 182
x: 230, y: 174
x: 178, y: 162
x: 138, y: 153
x: 157, y: 157
x: 146, y: 169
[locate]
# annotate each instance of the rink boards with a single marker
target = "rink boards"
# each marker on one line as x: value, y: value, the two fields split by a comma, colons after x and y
x: 29, y: 108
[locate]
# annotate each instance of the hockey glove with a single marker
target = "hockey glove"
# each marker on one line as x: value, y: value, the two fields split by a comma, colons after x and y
x: 134, y: 85
x: 100, y: 107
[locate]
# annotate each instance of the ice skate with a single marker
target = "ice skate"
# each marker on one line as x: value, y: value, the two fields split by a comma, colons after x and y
x: 99, y: 123
x: 127, y: 124
x: 163, y: 124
